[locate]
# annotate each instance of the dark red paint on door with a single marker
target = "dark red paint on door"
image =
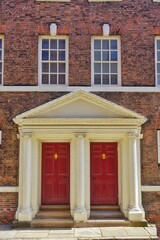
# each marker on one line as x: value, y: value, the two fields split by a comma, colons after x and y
x: 104, y: 173
x: 55, y: 173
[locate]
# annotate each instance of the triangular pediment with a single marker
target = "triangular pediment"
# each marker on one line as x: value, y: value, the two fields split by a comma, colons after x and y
x: 79, y: 104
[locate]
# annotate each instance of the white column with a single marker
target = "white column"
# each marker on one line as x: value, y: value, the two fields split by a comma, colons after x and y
x: 24, y: 212
x: 135, y: 213
x: 80, y: 213
x: 125, y: 176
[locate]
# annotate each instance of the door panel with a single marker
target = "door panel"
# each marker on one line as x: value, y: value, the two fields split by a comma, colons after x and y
x: 55, y: 173
x: 104, y: 173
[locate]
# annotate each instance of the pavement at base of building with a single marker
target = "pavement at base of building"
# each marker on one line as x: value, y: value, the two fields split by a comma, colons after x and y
x: 95, y: 233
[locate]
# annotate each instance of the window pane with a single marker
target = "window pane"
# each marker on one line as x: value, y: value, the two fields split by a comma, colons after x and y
x: 158, y: 67
x: 113, y: 67
x: 45, y: 44
x: 53, y: 44
x: 53, y: 67
x: 0, y: 43
x: 45, y: 55
x: 158, y: 44
x: 0, y: 55
x: 45, y: 78
x: 113, y: 44
x: 61, y: 79
x: 113, y: 55
x: 53, y: 79
x: 62, y: 44
x: 158, y: 79
x: 0, y: 67
x: 97, y: 67
x: 61, y: 55
x: 53, y: 55
x: 97, y: 79
x: 105, y: 56
x: 105, y: 79
x: 113, y: 79
x: 97, y: 56
x: 0, y: 79
x: 62, y: 67
x: 158, y: 56
x: 97, y: 44
x: 105, y: 67
x: 45, y: 67
x: 105, y: 44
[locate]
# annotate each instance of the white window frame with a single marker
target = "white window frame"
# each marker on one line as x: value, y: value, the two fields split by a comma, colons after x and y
x: 156, y: 38
x: 40, y: 59
x: 2, y: 38
x: 119, y: 59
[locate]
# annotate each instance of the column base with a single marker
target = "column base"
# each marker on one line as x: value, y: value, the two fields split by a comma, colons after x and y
x: 24, y: 214
x: 136, y: 214
x: 80, y: 214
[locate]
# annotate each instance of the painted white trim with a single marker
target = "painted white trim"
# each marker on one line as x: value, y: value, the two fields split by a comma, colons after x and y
x: 40, y: 60
x: 74, y: 88
x: 8, y: 189
x: 118, y: 61
x: 150, y: 188
x: 80, y: 122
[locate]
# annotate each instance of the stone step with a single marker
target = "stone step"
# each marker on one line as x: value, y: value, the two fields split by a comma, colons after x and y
x: 54, y: 207
x: 69, y: 223
x: 105, y: 207
x: 106, y: 214
x: 53, y: 214
x: 102, y: 223
x: 52, y: 223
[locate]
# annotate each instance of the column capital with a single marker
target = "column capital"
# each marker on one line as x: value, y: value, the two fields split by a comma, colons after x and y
x: 80, y: 134
x: 132, y: 135
x: 26, y: 135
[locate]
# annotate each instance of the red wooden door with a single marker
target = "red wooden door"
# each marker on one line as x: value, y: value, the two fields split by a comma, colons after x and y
x: 55, y: 173
x: 104, y: 173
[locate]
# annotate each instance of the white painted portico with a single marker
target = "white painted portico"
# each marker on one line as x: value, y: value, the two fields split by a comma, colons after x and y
x: 80, y: 118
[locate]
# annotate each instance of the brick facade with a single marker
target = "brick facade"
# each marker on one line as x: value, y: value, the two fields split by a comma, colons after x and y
x: 137, y: 22
x: 8, y: 206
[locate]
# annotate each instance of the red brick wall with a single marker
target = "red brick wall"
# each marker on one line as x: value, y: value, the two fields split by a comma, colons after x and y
x: 151, y: 204
x: 8, y: 207
x: 136, y: 21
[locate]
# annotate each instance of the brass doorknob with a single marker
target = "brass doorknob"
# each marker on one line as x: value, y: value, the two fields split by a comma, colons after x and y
x: 55, y: 156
